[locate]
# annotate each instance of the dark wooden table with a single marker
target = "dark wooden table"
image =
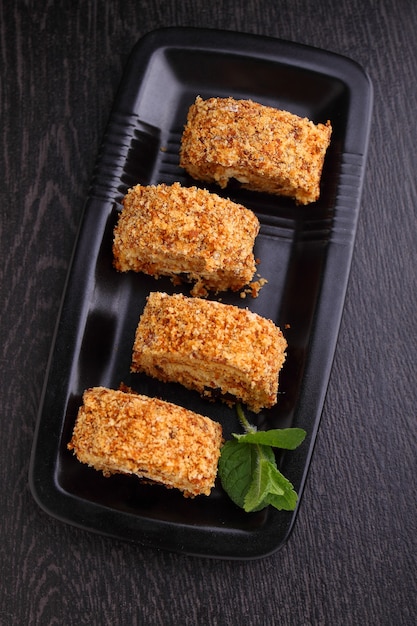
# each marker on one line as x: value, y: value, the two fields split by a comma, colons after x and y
x: 352, y: 556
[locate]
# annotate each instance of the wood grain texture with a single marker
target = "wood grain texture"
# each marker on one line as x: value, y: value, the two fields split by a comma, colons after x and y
x: 352, y: 556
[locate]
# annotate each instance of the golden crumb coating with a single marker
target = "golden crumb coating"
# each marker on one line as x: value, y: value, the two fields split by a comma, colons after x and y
x: 173, y: 230
x: 128, y: 433
x: 265, y: 149
x: 211, y: 347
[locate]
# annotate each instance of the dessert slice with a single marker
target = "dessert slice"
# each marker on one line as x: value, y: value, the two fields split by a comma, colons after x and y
x: 214, y: 348
x: 174, y: 231
x: 265, y: 149
x: 128, y: 433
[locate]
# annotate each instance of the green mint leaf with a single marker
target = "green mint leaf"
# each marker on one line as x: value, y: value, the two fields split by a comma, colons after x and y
x: 262, y: 485
x: 248, y: 469
x: 237, y: 464
x: 286, y: 502
x: 249, y: 476
x: 288, y: 499
x: 286, y: 438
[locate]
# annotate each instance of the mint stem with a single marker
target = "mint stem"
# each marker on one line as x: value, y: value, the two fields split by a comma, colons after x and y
x: 244, y: 422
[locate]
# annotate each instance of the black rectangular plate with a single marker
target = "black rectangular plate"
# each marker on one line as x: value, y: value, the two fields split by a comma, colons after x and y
x: 305, y: 255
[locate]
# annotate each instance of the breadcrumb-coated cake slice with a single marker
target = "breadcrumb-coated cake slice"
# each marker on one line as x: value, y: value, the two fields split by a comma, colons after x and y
x: 265, y: 149
x: 214, y: 348
x: 173, y: 231
x: 128, y: 433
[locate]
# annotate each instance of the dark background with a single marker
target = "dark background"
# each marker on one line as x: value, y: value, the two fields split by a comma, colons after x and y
x: 352, y: 556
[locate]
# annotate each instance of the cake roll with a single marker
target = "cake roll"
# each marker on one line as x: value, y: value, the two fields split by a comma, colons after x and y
x: 187, y: 232
x: 217, y: 349
x: 265, y: 149
x: 118, y: 432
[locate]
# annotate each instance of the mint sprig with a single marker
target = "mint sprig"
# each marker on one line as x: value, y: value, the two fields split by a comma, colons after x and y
x: 248, y: 470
